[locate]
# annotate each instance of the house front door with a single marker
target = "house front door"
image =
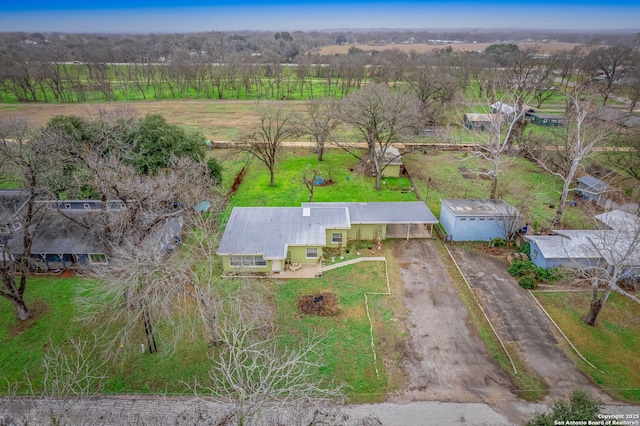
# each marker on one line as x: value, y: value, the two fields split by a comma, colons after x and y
x: 276, y: 266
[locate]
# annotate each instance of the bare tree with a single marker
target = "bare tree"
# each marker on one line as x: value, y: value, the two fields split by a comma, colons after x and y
x: 275, y: 126
x: 322, y: 119
x: 618, y: 258
x: 259, y: 376
x: 24, y: 152
x: 381, y: 116
x: 309, y: 176
x: 494, y: 142
x: 581, y: 135
x: 607, y: 63
x: 145, y: 281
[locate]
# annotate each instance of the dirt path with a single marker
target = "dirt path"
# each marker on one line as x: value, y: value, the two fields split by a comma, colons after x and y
x: 448, y: 360
x: 519, y: 319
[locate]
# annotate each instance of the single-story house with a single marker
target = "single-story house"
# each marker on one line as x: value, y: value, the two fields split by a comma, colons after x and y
x: 392, y: 161
x: 592, y: 188
x: 479, y: 219
x: 474, y: 121
x: 623, y: 119
x: 265, y: 239
x: 550, y: 120
x: 614, y: 244
x: 65, y: 237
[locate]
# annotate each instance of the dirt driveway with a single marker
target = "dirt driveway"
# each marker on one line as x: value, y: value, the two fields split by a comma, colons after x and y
x: 519, y: 319
x: 448, y: 360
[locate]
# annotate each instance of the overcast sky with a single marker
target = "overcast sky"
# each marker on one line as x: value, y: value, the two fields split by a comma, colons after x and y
x: 291, y: 15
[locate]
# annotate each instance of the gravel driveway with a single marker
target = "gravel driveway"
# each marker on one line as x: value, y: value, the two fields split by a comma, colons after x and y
x: 447, y: 360
x: 519, y: 319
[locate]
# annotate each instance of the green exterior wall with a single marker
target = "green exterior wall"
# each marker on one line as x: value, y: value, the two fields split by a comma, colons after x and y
x: 226, y: 266
x: 299, y: 254
x: 367, y: 232
x: 344, y: 233
x: 392, y: 170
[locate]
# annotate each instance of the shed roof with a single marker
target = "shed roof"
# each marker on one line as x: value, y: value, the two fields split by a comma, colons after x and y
x: 566, y: 245
x: 401, y: 212
x: 619, y: 220
x: 479, y: 207
x: 271, y: 230
x: 391, y: 155
x: 594, y: 183
x: 482, y: 118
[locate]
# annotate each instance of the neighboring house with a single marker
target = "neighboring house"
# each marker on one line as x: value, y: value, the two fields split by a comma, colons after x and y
x: 473, y: 121
x: 614, y: 243
x: 479, y: 219
x: 624, y: 119
x: 266, y: 239
x: 592, y: 188
x: 550, y: 120
x: 392, y: 162
x: 66, y: 236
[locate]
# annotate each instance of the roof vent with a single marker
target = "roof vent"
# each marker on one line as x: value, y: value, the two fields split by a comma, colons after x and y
x: 306, y: 211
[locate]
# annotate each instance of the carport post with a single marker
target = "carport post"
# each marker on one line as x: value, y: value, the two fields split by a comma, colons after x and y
x: 408, y: 228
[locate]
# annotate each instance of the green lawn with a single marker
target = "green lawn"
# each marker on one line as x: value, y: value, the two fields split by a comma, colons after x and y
x: 439, y: 174
x: 289, y: 189
x: 612, y: 345
x: 349, y: 357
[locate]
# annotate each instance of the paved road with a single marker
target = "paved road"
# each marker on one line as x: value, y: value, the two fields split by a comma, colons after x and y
x: 137, y: 410
x: 519, y: 319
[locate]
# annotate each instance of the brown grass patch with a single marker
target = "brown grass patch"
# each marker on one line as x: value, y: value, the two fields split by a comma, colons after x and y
x: 324, y: 304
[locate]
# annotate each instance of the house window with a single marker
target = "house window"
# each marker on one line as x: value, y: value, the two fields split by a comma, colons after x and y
x: 492, y: 219
x: 312, y: 252
x: 336, y: 238
x: 98, y: 258
x: 482, y: 219
x: 534, y: 254
x: 472, y: 219
x: 247, y: 261
x: 463, y: 219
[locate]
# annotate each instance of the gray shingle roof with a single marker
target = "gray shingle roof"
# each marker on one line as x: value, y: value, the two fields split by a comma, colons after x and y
x: 380, y: 212
x: 270, y: 230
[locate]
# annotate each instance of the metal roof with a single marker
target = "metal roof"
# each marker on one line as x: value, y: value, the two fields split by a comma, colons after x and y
x: 487, y: 118
x: 566, y: 245
x: 391, y: 155
x: 594, y: 183
x: 479, y: 207
x: 617, y: 219
x: 271, y: 230
x: 401, y: 212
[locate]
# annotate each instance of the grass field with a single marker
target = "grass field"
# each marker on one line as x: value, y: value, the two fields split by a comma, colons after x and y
x: 612, y: 345
x: 442, y: 174
x: 289, y: 190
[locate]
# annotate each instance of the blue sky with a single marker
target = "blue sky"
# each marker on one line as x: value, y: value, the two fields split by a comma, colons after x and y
x: 291, y: 15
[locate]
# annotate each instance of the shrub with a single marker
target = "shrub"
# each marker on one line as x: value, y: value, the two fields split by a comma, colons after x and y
x: 527, y: 282
x: 499, y: 242
x: 520, y: 268
x: 525, y: 248
x: 580, y: 406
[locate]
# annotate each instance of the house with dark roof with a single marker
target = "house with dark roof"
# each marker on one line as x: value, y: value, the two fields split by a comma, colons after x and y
x: 268, y: 239
x: 479, y: 219
x: 67, y: 234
